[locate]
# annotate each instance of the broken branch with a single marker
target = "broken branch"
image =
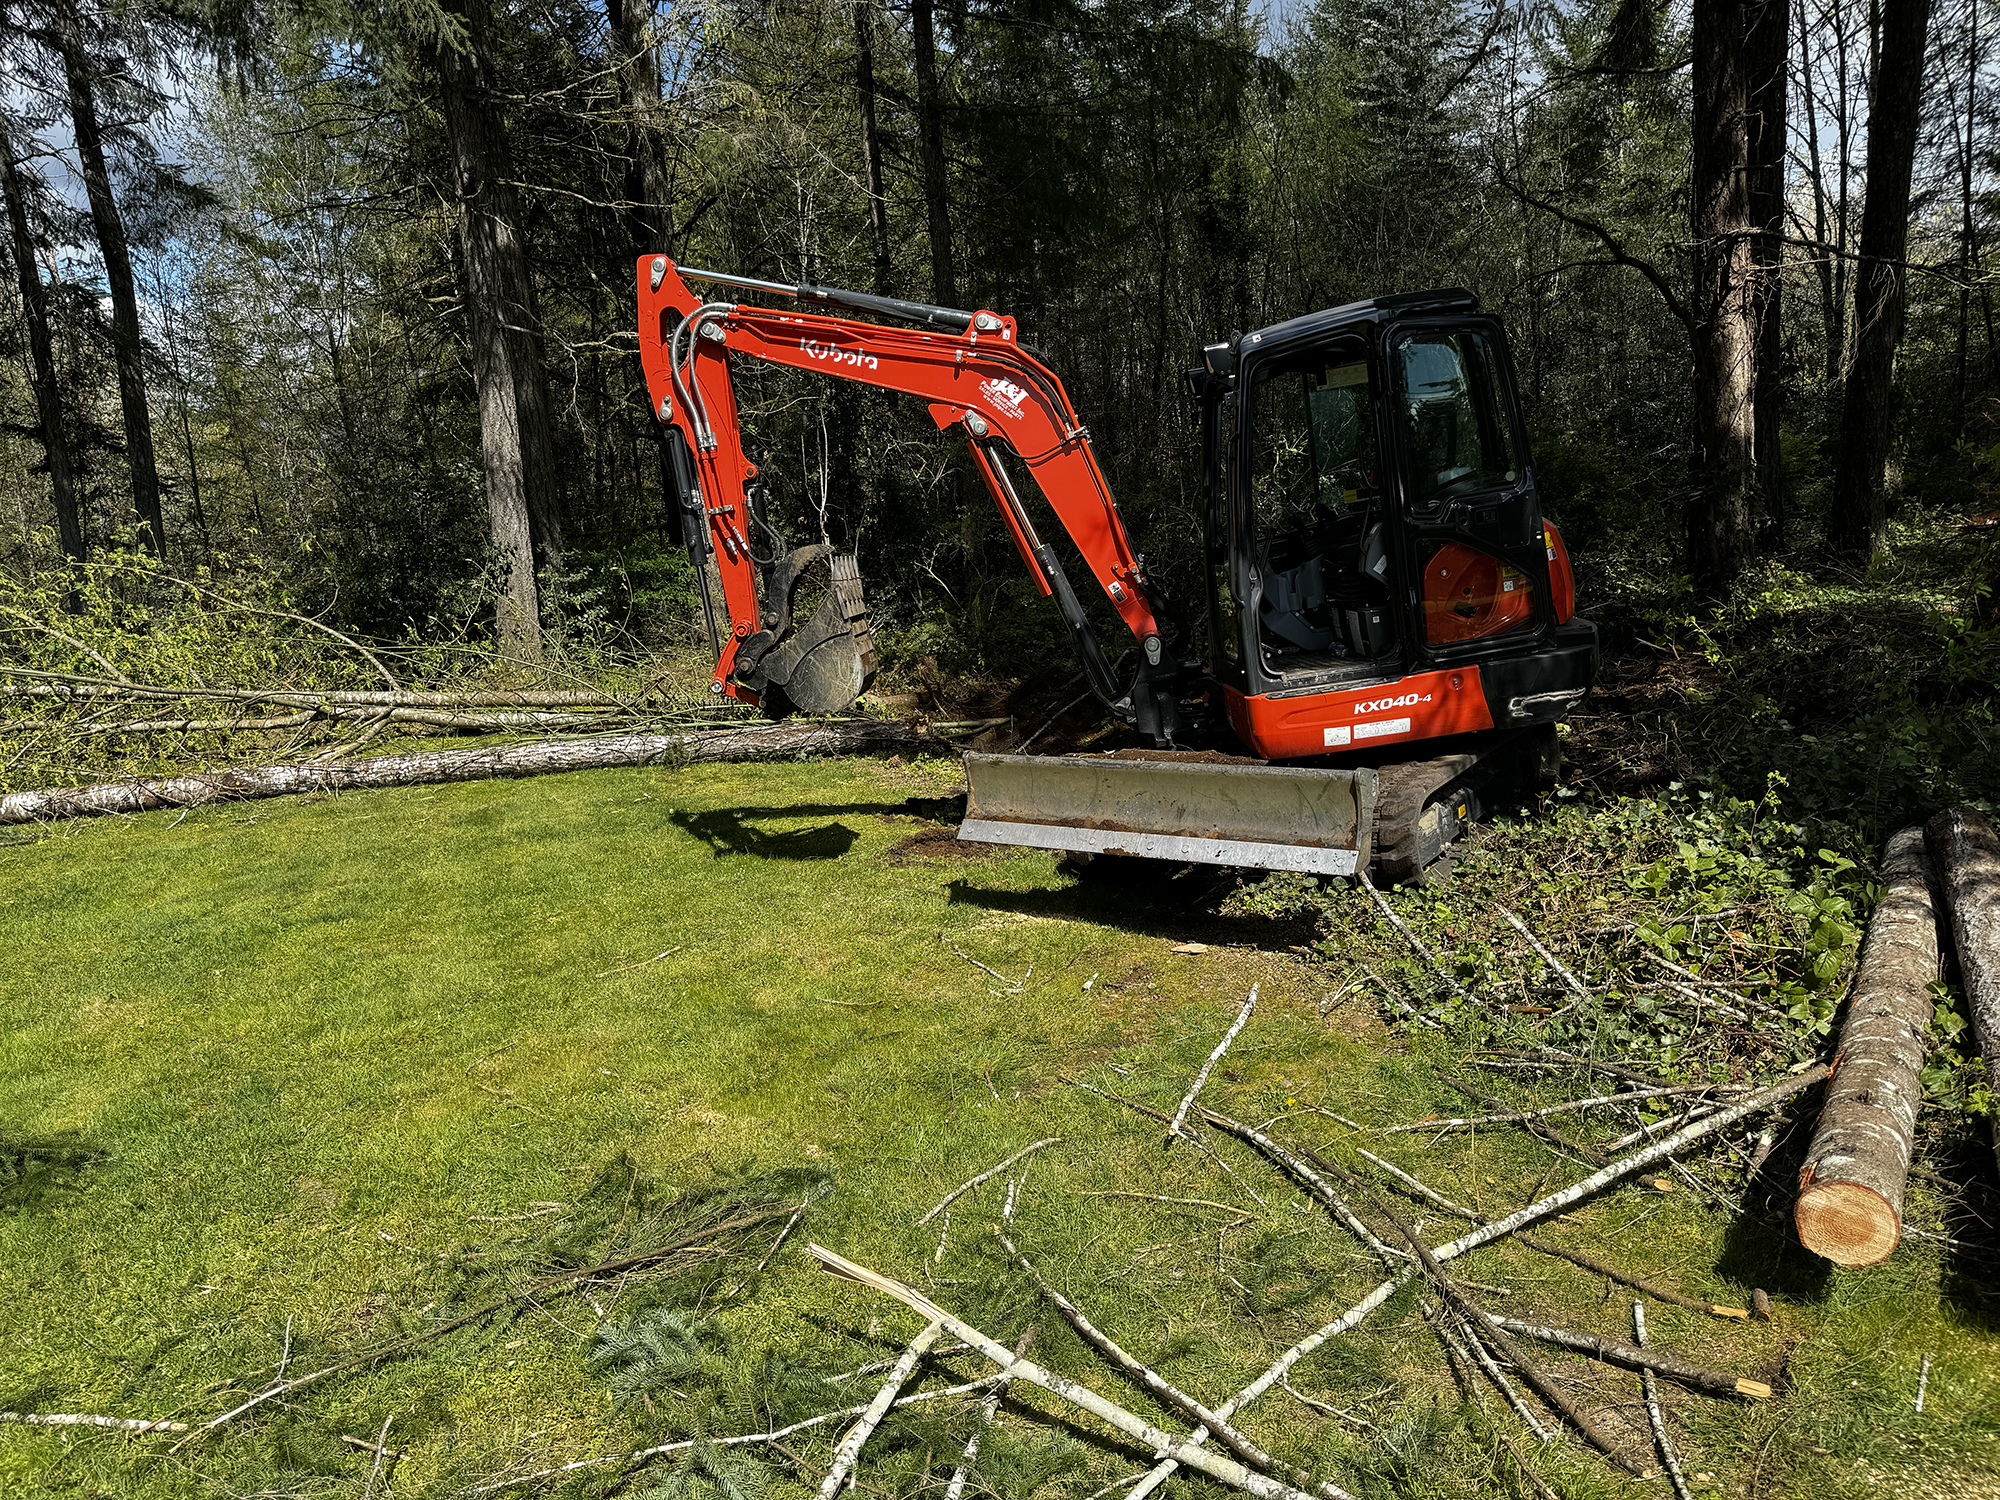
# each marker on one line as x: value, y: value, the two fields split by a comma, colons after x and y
x: 1151, y: 1379
x: 1520, y: 1117
x: 965, y: 1187
x: 1485, y: 1234
x: 849, y: 1450
x: 1574, y: 1257
x: 1183, y: 1450
x: 1716, y: 1382
x: 85, y: 1419
x: 1652, y: 1388
x: 1576, y: 985
x: 1242, y: 1016
x: 1412, y: 939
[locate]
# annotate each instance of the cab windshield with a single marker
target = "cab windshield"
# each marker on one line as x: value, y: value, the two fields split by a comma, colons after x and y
x: 1453, y: 417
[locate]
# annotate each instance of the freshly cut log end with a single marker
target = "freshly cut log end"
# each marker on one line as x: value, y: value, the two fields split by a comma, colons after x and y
x: 1849, y: 1224
x: 1850, y: 1202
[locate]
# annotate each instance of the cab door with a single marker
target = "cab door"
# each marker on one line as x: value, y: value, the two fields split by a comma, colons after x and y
x: 1472, y: 538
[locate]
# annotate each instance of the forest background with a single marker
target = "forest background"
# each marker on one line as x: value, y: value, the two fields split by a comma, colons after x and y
x: 326, y: 308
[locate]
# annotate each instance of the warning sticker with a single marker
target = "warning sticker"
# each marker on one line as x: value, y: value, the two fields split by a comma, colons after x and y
x: 1339, y: 735
x: 1381, y: 727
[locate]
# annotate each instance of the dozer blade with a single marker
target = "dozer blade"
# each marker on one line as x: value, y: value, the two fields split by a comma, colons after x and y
x: 1262, y: 817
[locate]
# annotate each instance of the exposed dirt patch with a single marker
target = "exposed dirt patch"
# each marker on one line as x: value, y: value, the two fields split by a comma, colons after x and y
x: 934, y: 842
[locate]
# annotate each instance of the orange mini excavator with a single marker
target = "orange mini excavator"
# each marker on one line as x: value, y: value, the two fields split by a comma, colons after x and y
x: 1390, y: 626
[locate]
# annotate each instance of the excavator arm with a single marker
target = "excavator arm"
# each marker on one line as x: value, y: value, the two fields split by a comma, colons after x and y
x: 971, y: 370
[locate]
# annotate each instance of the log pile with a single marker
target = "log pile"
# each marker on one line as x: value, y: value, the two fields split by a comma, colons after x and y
x: 1946, y: 873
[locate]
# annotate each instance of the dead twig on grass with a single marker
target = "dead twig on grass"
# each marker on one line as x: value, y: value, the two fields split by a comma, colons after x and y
x: 646, y: 1455
x: 1534, y: 1124
x: 1770, y: 1011
x: 1485, y: 1234
x: 381, y: 1452
x: 86, y: 1419
x: 965, y: 1187
x: 1228, y: 1208
x: 1194, y: 1140
x: 1668, y: 1458
x: 1182, y: 1449
x: 1576, y: 985
x: 1242, y: 1018
x: 1715, y: 1382
x: 849, y: 1450
x: 1014, y: 986
x: 628, y: 968
x: 1315, y: 1184
x: 1522, y: 1117
x: 1151, y: 1380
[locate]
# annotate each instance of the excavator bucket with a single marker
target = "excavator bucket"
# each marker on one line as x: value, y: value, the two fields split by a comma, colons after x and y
x: 828, y: 660
x: 1202, y: 809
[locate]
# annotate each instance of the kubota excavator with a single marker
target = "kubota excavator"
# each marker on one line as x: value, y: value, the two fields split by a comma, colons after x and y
x: 1390, y: 619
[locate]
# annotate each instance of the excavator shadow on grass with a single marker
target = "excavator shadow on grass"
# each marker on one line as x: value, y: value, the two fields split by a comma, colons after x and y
x: 1182, y: 903
x: 743, y: 830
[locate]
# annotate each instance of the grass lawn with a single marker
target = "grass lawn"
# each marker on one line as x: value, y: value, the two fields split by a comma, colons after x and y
x: 284, y: 1080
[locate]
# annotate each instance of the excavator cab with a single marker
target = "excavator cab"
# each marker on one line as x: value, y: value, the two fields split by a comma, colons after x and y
x: 1371, y: 520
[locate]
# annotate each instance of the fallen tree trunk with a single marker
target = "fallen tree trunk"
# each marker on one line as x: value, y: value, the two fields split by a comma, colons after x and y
x: 492, y: 722
x: 1850, y: 1206
x: 539, y: 758
x: 527, y: 698
x: 1965, y: 853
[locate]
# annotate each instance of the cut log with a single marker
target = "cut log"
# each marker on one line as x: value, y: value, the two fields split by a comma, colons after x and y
x: 1965, y: 853
x: 788, y: 741
x: 1850, y: 1206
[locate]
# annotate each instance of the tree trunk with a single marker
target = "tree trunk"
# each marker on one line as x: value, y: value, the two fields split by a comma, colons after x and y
x: 649, y: 207
x: 48, y: 391
x: 1965, y: 853
x: 1850, y: 1206
x: 757, y: 742
x: 497, y: 294
x: 930, y: 134
x: 871, y: 142
x: 1738, y: 46
x: 104, y: 217
x: 1768, y: 49
x: 1860, y: 506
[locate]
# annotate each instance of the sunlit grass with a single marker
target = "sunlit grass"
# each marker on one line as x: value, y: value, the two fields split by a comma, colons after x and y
x: 327, y: 1046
